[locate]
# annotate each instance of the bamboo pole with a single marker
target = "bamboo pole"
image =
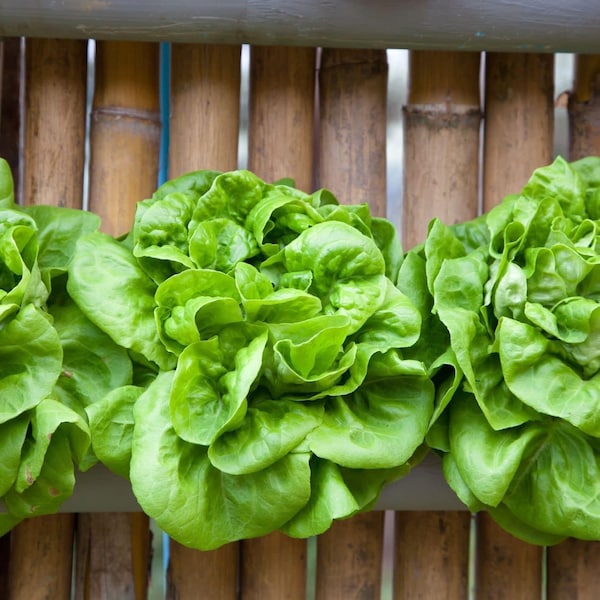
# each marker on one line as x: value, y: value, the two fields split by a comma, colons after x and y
x: 205, y: 102
x: 573, y: 570
x: 40, y: 559
x: 352, y: 164
x: 353, y: 106
x: 4, y: 564
x: 114, y: 549
x: 281, y: 114
x: 519, y: 121
x: 205, y: 108
x: 55, y: 74
x: 584, y: 108
x: 280, y: 144
x: 441, y: 152
x: 573, y: 564
x: 10, y: 117
x: 518, y: 138
x: 441, y: 141
x: 55, y: 81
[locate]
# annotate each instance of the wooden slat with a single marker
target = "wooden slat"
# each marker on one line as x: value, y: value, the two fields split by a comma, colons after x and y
x: 573, y: 571
x: 584, y: 108
x: 114, y: 549
x: 519, y: 92
x: 280, y: 144
x: 352, y: 164
x: 55, y: 74
x: 441, y: 150
x: 205, y: 107
x: 205, y: 102
x: 519, y: 121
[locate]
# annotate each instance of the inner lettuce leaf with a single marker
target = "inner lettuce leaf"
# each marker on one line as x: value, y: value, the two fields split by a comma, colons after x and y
x: 196, y: 503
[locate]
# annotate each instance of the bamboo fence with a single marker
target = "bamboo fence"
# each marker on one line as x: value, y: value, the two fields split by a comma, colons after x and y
x: 318, y: 116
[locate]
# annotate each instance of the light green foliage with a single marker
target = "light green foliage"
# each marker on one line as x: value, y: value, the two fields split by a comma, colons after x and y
x: 273, y: 332
x: 522, y: 435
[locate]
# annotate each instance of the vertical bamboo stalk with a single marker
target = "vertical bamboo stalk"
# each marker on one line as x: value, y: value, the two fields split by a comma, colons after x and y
x: 10, y: 105
x: 4, y: 564
x: 441, y: 157
x: 573, y: 570
x: 125, y: 131
x: 280, y: 144
x: 573, y: 565
x: 432, y: 555
x: 55, y: 81
x: 519, y: 121
x: 40, y: 561
x: 205, y: 105
x: 281, y: 114
x: 353, y: 96
x: 519, y: 126
x: 114, y: 549
x: 55, y: 75
x: 352, y: 164
x: 584, y: 108
x: 441, y: 141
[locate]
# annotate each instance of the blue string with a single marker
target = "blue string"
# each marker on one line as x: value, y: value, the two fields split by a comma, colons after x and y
x: 163, y: 171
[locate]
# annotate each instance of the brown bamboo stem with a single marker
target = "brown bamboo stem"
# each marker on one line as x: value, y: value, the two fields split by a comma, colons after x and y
x: 519, y: 129
x: 519, y: 121
x: 10, y: 117
x: 4, y: 564
x: 55, y: 79
x: 573, y: 570
x: 107, y: 545
x: 441, y: 141
x: 273, y: 567
x: 573, y: 564
x: 352, y: 164
x: 281, y: 114
x: 125, y: 131
x: 506, y: 566
x: 280, y: 144
x: 441, y: 151
x: 205, y: 107
x: 353, y: 106
x: 114, y: 549
x: 205, y: 102
x: 212, y: 575
x: 431, y: 555
x: 349, y: 559
x: 40, y: 561
x: 41, y: 552
x: 584, y: 108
